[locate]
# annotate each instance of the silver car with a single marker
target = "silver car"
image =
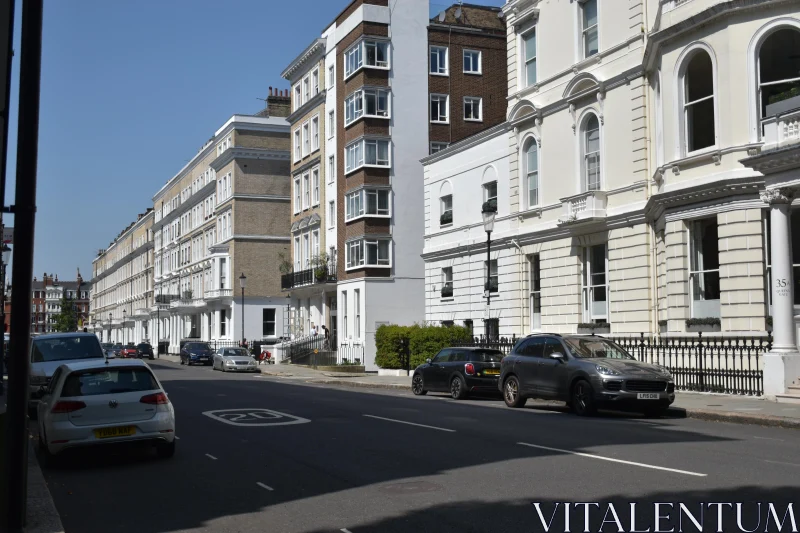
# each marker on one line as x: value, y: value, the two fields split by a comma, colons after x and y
x: 234, y: 360
x: 48, y: 352
x: 587, y: 372
x: 92, y: 403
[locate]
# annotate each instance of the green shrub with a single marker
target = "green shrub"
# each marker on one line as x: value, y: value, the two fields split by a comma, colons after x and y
x: 424, y: 342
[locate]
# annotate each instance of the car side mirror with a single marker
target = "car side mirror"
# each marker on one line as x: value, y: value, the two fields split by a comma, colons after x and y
x: 558, y: 356
x: 428, y: 360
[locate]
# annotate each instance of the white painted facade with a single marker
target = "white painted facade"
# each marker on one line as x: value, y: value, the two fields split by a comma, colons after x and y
x: 674, y: 193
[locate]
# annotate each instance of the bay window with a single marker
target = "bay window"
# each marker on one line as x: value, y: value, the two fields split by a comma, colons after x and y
x: 366, y: 152
x: 371, y: 54
x: 368, y: 252
x: 367, y: 202
x: 704, y: 268
x: 366, y: 102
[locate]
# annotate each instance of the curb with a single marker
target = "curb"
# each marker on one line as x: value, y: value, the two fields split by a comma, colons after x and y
x: 735, y: 418
x: 360, y: 384
x: 42, y: 515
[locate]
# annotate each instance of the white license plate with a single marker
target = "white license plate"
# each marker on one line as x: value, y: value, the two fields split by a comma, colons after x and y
x: 647, y: 396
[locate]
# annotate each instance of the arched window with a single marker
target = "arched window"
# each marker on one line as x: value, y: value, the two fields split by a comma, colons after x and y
x: 698, y: 102
x: 531, y: 153
x: 779, y: 73
x: 590, y: 153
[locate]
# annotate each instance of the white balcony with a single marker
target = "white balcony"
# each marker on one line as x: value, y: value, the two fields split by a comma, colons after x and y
x: 219, y: 294
x: 141, y: 312
x: 188, y: 303
x: 584, y: 207
x: 782, y: 130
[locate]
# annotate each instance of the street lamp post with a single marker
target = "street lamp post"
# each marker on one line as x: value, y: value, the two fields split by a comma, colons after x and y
x: 488, y: 212
x: 242, y: 284
x: 123, y: 327
x: 110, y: 317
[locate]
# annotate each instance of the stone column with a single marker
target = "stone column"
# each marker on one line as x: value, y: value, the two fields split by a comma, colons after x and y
x: 782, y: 363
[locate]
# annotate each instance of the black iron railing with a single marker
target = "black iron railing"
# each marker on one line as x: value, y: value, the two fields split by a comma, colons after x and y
x: 504, y: 344
x: 729, y: 365
x: 316, y: 351
x: 309, y: 276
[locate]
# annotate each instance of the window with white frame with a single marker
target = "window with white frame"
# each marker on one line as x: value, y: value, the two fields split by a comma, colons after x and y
x: 357, y: 309
x: 589, y: 41
x: 778, y: 73
x: 298, y: 260
x: 331, y: 124
x: 438, y: 60
x: 704, y: 268
x: 595, y: 283
x: 490, y: 193
x: 331, y: 168
x: 306, y: 191
x: 268, y: 322
x: 331, y: 77
x: 297, y: 145
x: 315, y: 82
x: 472, y: 61
x: 298, y: 99
x: 367, y: 202
x: 368, y: 252
x: 531, y: 150
x: 535, y: 290
x: 490, y: 275
x: 306, y: 250
x: 446, y: 208
x: 367, y: 152
x: 438, y: 147
x: 529, y: 46
x: 439, y: 107
x: 315, y: 133
x: 698, y: 102
x: 447, y: 282
x: 345, y: 331
x: 306, y: 89
x: 371, y: 54
x: 331, y: 214
x: 306, y: 139
x: 297, y: 195
x: 315, y: 186
x: 473, y: 109
x: 590, y: 153
x: 366, y: 102
x: 315, y: 243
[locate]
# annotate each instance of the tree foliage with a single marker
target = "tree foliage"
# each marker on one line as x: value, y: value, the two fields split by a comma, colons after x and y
x: 67, y: 319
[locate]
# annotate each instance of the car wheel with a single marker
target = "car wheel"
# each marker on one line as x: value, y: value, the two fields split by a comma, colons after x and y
x: 166, y: 450
x: 458, y: 389
x: 417, y: 386
x: 654, y: 412
x: 511, y: 393
x: 583, y: 398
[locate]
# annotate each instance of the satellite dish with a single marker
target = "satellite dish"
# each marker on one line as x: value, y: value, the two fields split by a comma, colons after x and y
x: 458, y: 13
x: 442, y: 16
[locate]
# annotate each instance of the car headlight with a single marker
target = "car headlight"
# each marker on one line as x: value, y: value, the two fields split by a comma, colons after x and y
x: 228, y: 362
x: 665, y: 371
x: 605, y: 371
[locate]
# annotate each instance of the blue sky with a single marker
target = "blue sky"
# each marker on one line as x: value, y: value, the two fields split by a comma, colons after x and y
x: 131, y: 89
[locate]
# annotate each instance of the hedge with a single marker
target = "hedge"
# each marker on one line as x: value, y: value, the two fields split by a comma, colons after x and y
x: 425, y: 341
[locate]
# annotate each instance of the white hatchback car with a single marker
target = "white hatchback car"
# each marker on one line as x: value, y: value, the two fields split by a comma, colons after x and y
x: 107, y: 402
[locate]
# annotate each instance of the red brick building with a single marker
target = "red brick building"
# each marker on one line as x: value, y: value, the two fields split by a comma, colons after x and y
x: 467, y: 73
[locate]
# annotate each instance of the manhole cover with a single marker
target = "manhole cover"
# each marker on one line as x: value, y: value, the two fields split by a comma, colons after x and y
x: 410, y: 487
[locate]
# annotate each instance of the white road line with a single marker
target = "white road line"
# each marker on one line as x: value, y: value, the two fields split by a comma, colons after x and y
x: 600, y: 457
x: 345, y: 530
x: 267, y: 487
x: 410, y: 423
x: 780, y: 462
x: 211, y: 457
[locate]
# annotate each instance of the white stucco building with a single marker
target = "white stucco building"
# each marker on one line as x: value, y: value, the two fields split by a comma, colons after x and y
x: 623, y: 187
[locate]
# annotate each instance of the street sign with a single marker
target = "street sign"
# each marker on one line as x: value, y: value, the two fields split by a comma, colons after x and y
x: 8, y: 235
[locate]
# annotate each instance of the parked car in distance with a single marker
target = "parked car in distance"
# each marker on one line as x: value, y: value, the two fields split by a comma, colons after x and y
x: 90, y: 403
x: 234, y: 360
x: 458, y: 371
x: 196, y: 353
x: 107, y: 346
x: 145, y: 350
x: 129, y: 351
x: 50, y: 351
x: 585, y: 371
x: 116, y: 349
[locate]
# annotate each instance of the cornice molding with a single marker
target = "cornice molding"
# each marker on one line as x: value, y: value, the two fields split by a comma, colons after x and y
x: 662, y: 201
x: 781, y: 195
x: 775, y: 161
x: 316, y: 48
x: 248, y: 153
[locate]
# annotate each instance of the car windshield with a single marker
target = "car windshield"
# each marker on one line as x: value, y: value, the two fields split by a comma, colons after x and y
x: 117, y: 346
x: 65, y: 349
x: 487, y: 356
x: 198, y: 346
x: 588, y: 348
x: 235, y: 352
x: 143, y: 346
x: 113, y: 381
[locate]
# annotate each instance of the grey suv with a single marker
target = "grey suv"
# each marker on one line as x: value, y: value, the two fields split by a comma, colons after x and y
x: 587, y: 372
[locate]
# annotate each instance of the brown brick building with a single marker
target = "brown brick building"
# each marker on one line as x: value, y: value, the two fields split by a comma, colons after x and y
x: 468, y: 72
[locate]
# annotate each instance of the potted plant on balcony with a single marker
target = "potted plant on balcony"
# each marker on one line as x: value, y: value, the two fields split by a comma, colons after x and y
x: 320, y: 265
x: 706, y: 324
x: 783, y: 101
x: 594, y: 327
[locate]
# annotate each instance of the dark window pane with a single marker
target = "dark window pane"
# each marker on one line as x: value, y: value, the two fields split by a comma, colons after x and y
x: 699, y: 77
x: 700, y: 125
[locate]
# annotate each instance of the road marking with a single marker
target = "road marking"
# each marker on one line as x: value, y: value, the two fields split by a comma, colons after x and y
x: 211, y: 457
x: 254, y: 416
x: 410, y: 423
x: 267, y: 487
x: 780, y: 462
x: 600, y: 457
x: 747, y: 409
x: 345, y: 530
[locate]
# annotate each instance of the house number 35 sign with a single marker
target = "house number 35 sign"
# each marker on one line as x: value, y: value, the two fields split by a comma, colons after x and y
x: 782, y: 287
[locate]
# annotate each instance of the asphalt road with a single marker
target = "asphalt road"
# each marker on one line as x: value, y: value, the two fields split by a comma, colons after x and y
x: 310, y: 459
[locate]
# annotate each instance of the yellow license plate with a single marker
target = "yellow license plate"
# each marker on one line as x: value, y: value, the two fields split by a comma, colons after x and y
x: 106, y: 433
x: 491, y: 372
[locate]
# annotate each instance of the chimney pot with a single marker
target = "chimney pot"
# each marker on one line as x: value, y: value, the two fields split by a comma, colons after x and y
x: 270, y: 91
